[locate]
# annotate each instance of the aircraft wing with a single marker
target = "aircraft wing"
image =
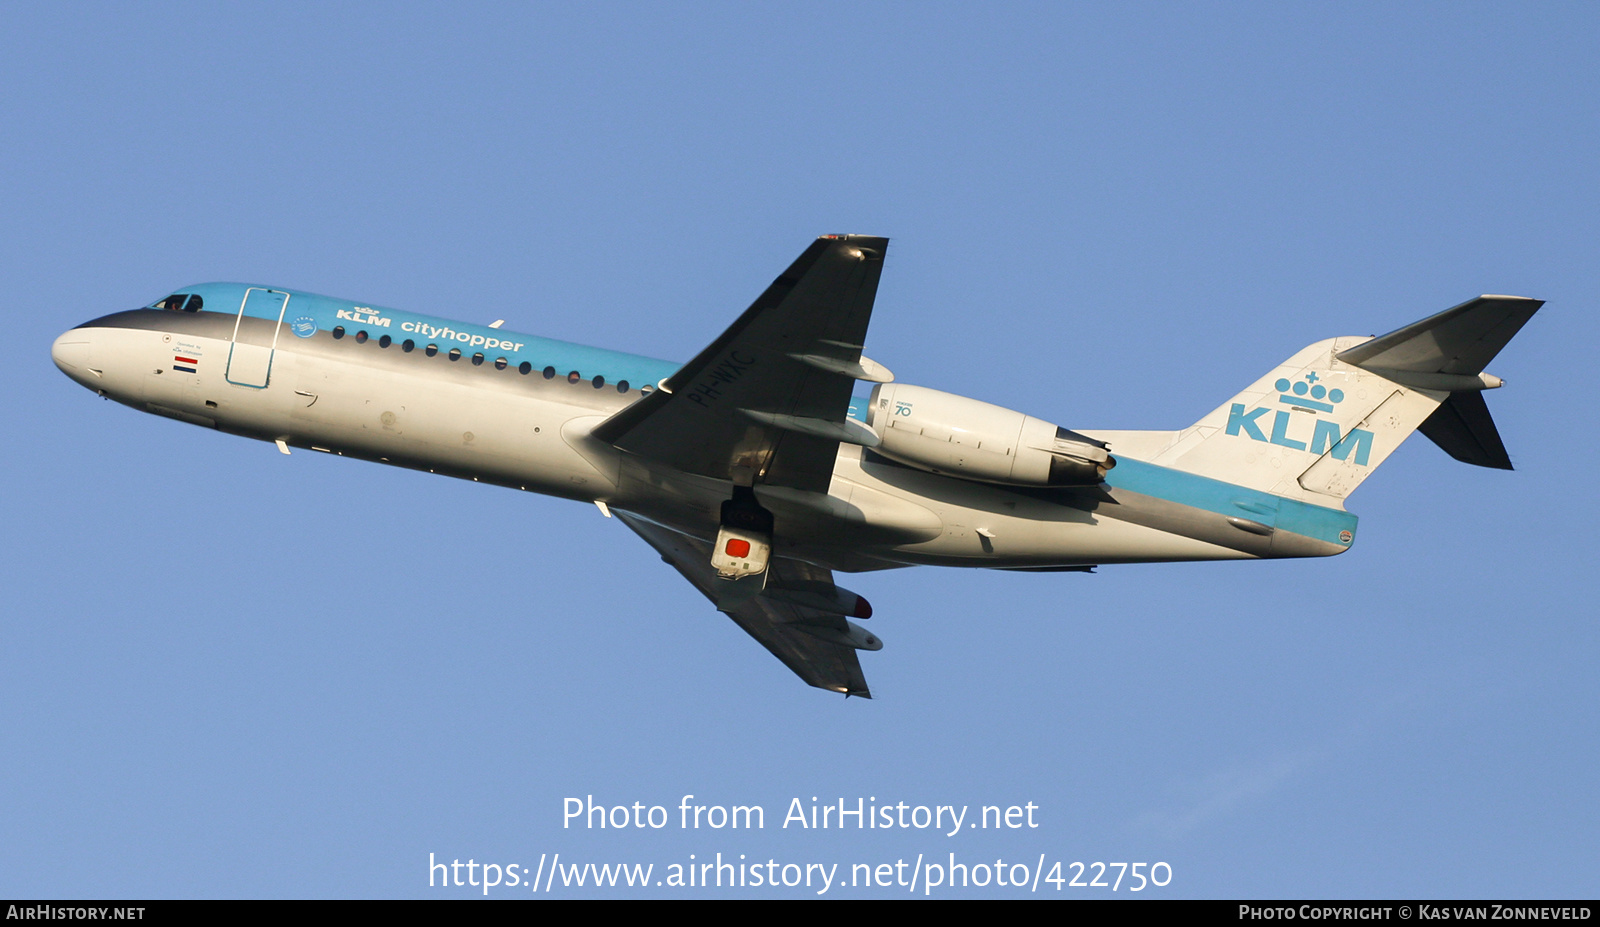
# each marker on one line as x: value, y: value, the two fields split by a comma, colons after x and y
x: 767, y: 402
x: 789, y: 630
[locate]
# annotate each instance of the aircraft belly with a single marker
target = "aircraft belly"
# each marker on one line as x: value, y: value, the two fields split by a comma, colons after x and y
x: 977, y: 538
x: 987, y: 525
x: 449, y: 427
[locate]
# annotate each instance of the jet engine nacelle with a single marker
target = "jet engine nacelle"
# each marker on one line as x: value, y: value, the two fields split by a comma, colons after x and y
x: 954, y: 435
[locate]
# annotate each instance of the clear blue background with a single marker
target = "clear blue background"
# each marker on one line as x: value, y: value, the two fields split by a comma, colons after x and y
x: 225, y: 672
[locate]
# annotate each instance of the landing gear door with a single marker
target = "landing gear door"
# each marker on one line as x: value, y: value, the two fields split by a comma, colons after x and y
x: 255, y: 336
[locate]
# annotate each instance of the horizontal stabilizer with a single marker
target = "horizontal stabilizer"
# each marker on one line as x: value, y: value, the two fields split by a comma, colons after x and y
x: 1462, y: 340
x: 1313, y: 428
x: 1463, y: 428
x: 1454, y: 345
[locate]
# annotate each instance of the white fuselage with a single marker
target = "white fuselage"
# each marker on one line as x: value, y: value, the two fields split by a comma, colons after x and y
x: 533, y: 433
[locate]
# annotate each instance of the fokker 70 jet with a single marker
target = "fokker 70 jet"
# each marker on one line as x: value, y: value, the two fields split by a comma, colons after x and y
x: 756, y: 471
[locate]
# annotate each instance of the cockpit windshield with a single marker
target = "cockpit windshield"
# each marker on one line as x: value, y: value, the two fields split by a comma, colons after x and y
x: 179, y: 302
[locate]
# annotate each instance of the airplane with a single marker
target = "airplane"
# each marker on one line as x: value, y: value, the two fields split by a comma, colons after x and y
x: 756, y: 471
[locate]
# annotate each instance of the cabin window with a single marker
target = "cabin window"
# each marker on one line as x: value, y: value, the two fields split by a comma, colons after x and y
x: 361, y: 337
x: 574, y: 377
x: 431, y: 350
x: 524, y: 368
x: 599, y: 381
x: 549, y: 373
x: 646, y: 390
x: 477, y: 359
x: 338, y: 331
x: 622, y: 386
x: 408, y: 345
x: 500, y: 363
x: 385, y: 341
x: 455, y: 354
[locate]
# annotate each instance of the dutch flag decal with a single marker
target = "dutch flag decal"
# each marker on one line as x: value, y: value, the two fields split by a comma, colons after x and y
x: 185, y: 364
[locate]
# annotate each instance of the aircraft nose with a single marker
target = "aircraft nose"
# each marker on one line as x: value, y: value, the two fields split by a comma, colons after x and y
x: 71, y: 354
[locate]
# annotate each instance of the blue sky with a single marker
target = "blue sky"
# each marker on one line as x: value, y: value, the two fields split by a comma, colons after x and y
x: 227, y: 673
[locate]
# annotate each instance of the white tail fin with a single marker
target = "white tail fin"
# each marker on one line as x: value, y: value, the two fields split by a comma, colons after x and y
x: 1312, y: 427
x: 1319, y: 423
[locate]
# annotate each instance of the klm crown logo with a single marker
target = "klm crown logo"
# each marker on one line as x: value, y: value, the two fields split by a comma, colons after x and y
x: 1306, y: 394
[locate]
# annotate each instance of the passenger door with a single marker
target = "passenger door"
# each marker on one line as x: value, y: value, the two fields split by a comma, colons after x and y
x: 249, y: 360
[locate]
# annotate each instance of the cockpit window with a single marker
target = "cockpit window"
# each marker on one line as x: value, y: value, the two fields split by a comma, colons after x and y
x: 175, y: 303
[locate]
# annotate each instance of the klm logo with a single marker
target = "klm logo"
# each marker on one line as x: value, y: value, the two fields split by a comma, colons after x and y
x: 363, y: 316
x: 1306, y: 395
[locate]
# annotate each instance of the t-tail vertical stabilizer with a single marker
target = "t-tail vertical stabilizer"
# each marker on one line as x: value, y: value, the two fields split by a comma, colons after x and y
x: 1314, y: 427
